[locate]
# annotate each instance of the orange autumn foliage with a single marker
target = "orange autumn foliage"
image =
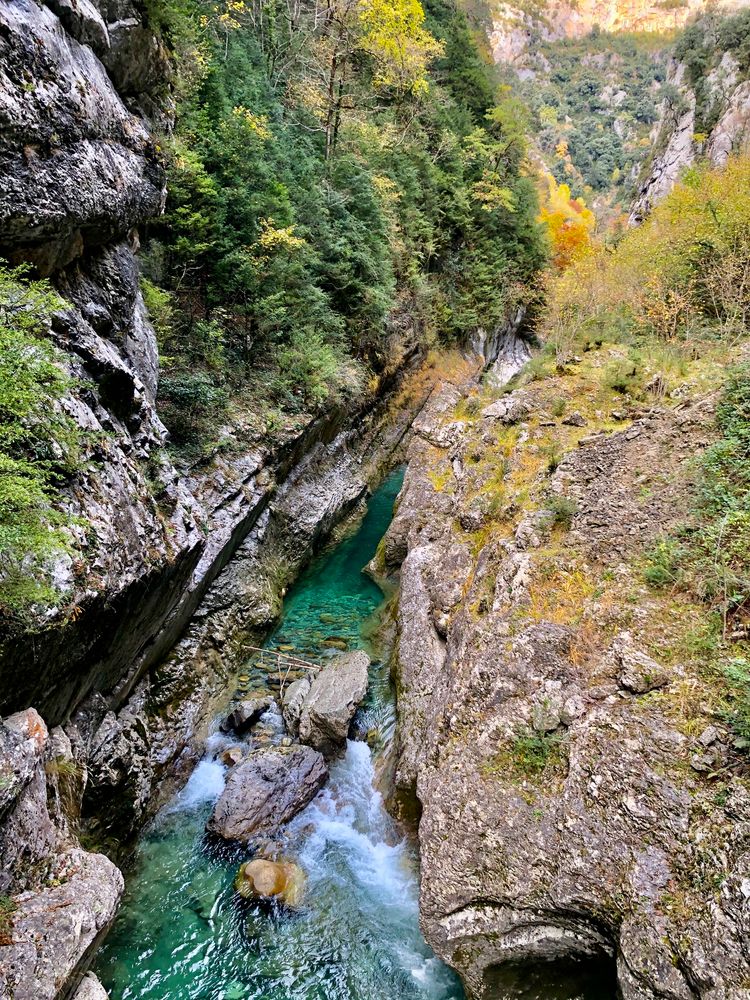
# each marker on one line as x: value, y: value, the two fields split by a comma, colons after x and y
x: 569, y: 223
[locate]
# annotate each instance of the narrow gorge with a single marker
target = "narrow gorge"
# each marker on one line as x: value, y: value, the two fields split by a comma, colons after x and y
x: 374, y: 500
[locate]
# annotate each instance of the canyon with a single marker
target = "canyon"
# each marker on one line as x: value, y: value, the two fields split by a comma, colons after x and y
x: 566, y: 814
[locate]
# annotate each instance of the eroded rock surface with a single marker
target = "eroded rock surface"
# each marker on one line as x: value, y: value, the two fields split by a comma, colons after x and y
x: 566, y: 804
x: 62, y: 897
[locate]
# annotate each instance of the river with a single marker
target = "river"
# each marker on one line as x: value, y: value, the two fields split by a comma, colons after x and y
x: 183, y: 935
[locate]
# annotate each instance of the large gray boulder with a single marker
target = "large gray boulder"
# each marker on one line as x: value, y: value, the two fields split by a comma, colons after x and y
x: 266, y: 791
x: 332, y: 701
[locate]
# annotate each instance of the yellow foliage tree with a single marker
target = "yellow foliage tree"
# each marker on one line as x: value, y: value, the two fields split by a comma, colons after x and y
x: 393, y: 33
x: 569, y: 224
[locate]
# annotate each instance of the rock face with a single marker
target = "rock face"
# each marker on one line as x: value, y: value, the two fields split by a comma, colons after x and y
x: 63, y: 897
x: 566, y: 809
x: 133, y: 668
x: 267, y: 790
x: 331, y: 702
x: 676, y: 137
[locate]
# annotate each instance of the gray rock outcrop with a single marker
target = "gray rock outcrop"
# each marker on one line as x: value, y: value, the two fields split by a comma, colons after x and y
x: 567, y: 811
x: 294, y: 699
x: 331, y: 702
x: 266, y: 790
x: 63, y: 898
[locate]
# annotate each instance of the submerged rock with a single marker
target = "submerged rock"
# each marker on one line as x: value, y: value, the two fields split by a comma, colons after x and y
x: 283, y: 881
x: 267, y: 790
x: 333, y: 699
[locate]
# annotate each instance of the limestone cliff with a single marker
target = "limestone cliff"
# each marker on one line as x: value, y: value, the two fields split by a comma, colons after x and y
x: 677, y: 139
x: 581, y: 804
x: 514, y: 26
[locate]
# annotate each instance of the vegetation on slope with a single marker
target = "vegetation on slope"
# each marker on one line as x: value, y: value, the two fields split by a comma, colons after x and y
x: 38, y: 441
x: 339, y: 181
x: 596, y: 99
x: 670, y: 304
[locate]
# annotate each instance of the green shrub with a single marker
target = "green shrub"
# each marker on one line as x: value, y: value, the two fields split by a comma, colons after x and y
x: 192, y: 403
x: 39, y: 443
x: 563, y: 510
x: 534, y: 753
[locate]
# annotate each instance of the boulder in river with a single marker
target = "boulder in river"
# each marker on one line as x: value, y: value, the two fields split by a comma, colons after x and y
x: 267, y: 790
x: 294, y: 699
x: 282, y: 881
x: 333, y: 699
x: 244, y: 715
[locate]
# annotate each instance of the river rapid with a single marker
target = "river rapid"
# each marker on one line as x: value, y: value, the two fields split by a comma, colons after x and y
x: 182, y: 933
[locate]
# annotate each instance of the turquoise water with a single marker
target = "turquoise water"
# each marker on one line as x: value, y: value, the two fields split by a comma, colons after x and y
x: 183, y: 935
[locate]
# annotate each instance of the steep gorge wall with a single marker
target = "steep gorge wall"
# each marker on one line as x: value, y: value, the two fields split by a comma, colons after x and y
x: 176, y: 566
x: 677, y: 141
x: 579, y: 795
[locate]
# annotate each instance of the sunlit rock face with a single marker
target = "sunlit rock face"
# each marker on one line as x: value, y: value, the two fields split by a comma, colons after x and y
x: 554, y: 19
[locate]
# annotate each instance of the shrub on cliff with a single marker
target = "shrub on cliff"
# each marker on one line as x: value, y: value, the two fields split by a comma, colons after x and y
x: 38, y: 441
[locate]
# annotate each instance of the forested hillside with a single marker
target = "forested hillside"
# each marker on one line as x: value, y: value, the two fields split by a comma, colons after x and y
x: 345, y: 183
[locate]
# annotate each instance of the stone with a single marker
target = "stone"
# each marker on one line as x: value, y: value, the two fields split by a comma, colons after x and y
x: 294, y: 698
x: 278, y: 881
x: 638, y: 672
x: 54, y: 928
x: 334, y: 696
x: 508, y: 409
x: 244, y: 716
x: 91, y: 989
x: 575, y: 419
x: 232, y: 756
x: 266, y: 790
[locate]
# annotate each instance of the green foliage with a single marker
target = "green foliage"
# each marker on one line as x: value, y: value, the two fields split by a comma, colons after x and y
x: 712, y: 559
x: 572, y: 95
x: 8, y: 907
x: 701, y: 48
x: 563, y: 510
x: 737, y: 676
x: 534, y: 753
x: 38, y: 442
x: 192, y: 403
x: 662, y: 567
x: 281, y: 260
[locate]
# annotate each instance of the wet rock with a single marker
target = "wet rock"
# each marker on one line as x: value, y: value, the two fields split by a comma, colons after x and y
x: 232, y: 756
x: 91, y: 989
x: 294, y: 698
x: 333, y: 699
x: 280, y: 881
x: 244, y: 716
x: 638, y: 672
x: 267, y: 790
